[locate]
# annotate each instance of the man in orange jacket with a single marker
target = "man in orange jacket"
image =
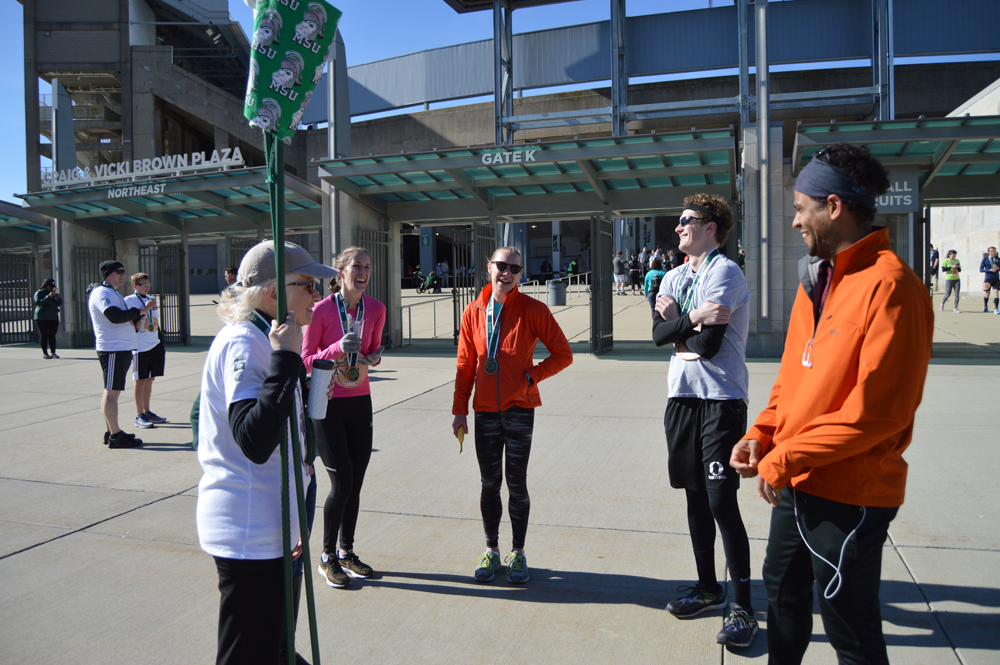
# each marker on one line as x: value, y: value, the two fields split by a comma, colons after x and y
x: 829, y: 446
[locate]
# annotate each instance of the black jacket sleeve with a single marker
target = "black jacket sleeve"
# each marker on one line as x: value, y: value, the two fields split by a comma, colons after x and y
x: 118, y: 315
x: 257, y: 424
x: 705, y: 343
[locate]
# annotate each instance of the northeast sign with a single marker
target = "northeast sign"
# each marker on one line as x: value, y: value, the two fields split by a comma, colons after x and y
x: 904, y: 191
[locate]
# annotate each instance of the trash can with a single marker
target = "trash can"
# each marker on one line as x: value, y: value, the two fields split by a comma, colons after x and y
x: 557, y: 293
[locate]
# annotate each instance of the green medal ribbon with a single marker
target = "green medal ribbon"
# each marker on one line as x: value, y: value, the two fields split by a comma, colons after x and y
x: 258, y: 321
x: 352, y: 358
x: 686, y: 307
x: 493, y: 311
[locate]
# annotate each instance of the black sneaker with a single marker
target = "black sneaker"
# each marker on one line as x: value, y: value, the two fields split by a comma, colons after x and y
x: 107, y: 435
x: 123, y: 440
x: 739, y: 628
x: 333, y: 573
x: 698, y: 601
x: 354, y: 566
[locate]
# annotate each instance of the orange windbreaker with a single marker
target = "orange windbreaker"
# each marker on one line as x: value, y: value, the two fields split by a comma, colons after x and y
x: 523, y: 321
x: 838, y: 429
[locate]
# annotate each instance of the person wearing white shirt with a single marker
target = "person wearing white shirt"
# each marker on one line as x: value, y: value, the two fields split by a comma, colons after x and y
x: 252, y: 393
x: 115, y: 325
x: 152, y: 355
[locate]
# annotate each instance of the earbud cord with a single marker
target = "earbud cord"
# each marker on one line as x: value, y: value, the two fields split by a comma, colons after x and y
x: 838, y: 577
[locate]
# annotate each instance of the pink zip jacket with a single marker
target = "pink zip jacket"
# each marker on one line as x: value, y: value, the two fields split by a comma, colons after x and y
x: 321, y: 338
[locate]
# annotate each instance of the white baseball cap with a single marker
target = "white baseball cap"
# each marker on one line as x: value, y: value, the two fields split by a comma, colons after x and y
x: 257, y: 267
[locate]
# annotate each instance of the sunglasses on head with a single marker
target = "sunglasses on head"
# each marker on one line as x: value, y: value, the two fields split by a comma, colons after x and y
x: 684, y: 221
x: 503, y: 265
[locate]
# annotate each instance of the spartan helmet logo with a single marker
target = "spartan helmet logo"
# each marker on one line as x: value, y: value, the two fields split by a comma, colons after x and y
x: 267, y: 33
x: 268, y: 115
x: 289, y: 72
x: 313, y: 23
x: 297, y: 116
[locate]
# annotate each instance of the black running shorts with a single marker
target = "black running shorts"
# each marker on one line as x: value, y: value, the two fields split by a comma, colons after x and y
x: 115, y: 365
x: 151, y: 363
x: 701, y: 434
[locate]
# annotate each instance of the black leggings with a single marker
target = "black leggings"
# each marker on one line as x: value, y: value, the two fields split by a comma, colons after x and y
x: 47, y: 334
x: 344, y: 442
x: 704, y: 510
x: 495, y: 432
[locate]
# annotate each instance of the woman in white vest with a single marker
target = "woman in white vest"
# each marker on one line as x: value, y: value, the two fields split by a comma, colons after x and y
x: 251, y: 394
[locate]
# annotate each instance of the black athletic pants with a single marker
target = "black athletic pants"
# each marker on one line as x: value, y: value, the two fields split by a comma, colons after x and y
x: 852, y: 619
x: 505, y: 433
x: 344, y: 442
x: 701, y: 434
x: 47, y: 334
x: 251, y: 611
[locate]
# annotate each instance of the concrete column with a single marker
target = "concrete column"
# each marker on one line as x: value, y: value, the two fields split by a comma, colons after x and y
x: 395, y: 292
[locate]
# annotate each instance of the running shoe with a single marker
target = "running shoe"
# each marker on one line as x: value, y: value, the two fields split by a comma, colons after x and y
x: 55, y: 355
x: 996, y: 311
x: 699, y: 600
x: 942, y: 307
x: 141, y: 422
x: 739, y: 628
x: 153, y: 418
x: 121, y: 439
x: 517, y: 568
x: 986, y: 310
x: 354, y: 566
x: 107, y: 435
x: 46, y: 356
x: 487, y: 566
x: 957, y: 311
x: 334, y: 574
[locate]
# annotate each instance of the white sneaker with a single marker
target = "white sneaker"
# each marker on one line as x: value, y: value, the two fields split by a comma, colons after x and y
x: 142, y: 423
x: 957, y: 311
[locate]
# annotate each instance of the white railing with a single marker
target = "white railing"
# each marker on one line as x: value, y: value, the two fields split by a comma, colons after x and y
x: 409, y: 317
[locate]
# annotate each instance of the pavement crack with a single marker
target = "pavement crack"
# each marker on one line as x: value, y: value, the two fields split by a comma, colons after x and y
x: 93, y: 524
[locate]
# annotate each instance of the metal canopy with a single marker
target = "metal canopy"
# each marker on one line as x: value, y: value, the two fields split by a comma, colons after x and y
x: 22, y: 228
x: 620, y: 176
x: 958, y: 158
x: 465, y: 6
x: 210, y: 203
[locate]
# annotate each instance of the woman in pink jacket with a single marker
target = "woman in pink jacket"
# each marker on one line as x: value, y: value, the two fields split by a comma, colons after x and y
x: 346, y: 328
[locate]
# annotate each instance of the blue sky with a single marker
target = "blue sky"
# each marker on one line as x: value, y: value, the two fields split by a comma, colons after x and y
x: 372, y: 30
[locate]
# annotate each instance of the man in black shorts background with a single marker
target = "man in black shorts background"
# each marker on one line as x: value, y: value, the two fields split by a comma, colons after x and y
x: 990, y: 267
x: 115, y: 326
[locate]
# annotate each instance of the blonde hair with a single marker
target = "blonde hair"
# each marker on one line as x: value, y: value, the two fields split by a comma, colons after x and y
x: 343, y: 260
x: 505, y: 250
x: 239, y: 302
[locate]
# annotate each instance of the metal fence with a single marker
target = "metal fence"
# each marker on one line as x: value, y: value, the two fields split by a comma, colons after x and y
x: 601, y: 250
x: 471, y: 251
x: 86, y: 263
x: 236, y: 249
x: 16, y: 302
x: 376, y: 243
x: 163, y: 265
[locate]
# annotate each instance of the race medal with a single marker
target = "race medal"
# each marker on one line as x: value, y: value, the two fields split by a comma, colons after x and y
x: 492, y: 336
x: 352, y: 373
x: 680, y: 349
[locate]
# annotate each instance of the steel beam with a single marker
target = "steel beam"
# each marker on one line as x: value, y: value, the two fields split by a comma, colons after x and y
x: 481, y: 194
x: 941, y: 156
x: 763, y: 158
x: 619, y: 69
x: 591, y: 174
x: 503, y: 70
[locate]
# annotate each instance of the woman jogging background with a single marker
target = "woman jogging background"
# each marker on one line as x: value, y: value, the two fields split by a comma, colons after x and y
x: 346, y: 327
x: 496, y: 348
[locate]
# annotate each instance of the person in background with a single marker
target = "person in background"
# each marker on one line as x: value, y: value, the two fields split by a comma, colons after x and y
x: 230, y: 275
x: 652, y: 282
x: 952, y: 269
x: 990, y: 267
x: 827, y: 450
x: 252, y: 393
x: 47, y: 304
x: 644, y: 258
x: 496, y: 349
x: 344, y: 438
x: 152, y: 355
x: 115, y: 325
x: 935, y: 265
x: 635, y: 274
x: 620, y: 273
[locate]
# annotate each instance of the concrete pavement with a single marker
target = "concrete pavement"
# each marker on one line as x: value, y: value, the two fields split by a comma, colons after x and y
x: 99, y: 558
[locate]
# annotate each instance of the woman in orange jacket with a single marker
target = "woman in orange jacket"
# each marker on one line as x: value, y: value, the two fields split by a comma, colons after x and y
x: 496, y: 348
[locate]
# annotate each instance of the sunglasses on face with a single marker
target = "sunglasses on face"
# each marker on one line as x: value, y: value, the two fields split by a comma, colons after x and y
x: 313, y: 286
x: 120, y: 271
x: 512, y: 267
x: 142, y: 286
x: 684, y: 221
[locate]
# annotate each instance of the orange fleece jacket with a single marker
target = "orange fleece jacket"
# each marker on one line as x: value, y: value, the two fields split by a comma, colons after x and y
x: 523, y: 321
x: 839, y: 429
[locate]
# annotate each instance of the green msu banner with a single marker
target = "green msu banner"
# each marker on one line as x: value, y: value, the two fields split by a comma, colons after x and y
x: 291, y: 42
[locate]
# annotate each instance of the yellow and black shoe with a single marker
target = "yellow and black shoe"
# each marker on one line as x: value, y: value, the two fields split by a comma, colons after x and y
x: 329, y: 568
x: 355, y: 567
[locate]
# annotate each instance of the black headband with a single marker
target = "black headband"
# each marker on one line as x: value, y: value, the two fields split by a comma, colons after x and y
x: 708, y: 214
x: 819, y: 180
